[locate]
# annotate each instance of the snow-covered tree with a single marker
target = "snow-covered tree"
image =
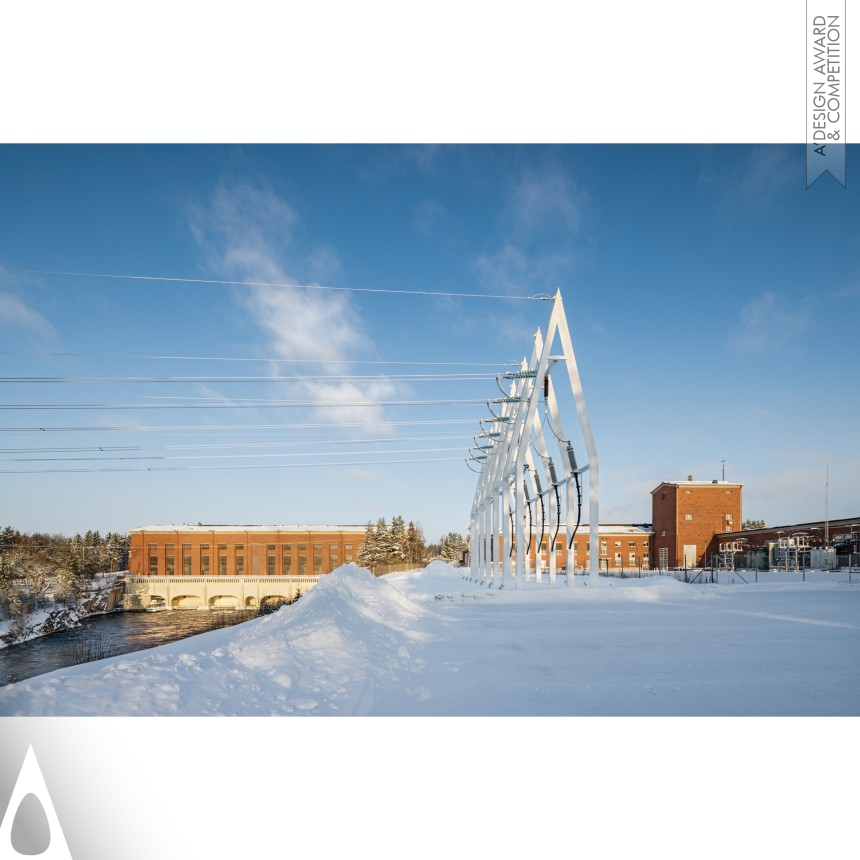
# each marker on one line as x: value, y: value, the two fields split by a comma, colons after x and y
x: 397, y: 537
x: 452, y: 546
x: 368, y: 553
x: 753, y: 524
x: 385, y: 544
x: 416, y: 549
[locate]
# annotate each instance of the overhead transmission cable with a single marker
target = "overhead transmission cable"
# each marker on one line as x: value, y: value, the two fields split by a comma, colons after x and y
x: 233, y: 427
x: 107, y: 449
x: 217, y: 468
x: 256, y: 404
x: 261, y: 359
x: 407, y: 377
x: 223, y: 456
x: 211, y: 281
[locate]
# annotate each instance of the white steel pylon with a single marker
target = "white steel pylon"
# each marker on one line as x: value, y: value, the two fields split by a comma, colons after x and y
x: 514, y: 487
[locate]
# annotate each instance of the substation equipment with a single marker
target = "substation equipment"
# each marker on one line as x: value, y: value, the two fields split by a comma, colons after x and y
x: 530, y: 482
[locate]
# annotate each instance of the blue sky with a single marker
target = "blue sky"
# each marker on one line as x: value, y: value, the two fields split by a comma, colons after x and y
x: 712, y: 299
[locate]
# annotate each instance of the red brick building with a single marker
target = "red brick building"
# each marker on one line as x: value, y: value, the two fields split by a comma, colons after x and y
x: 234, y: 550
x: 622, y: 547
x: 689, y: 519
x: 843, y: 534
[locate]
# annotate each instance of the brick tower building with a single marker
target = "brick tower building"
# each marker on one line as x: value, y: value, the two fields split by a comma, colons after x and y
x: 688, y: 518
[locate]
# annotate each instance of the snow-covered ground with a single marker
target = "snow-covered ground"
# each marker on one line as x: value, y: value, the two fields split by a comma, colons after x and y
x: 433, y: 643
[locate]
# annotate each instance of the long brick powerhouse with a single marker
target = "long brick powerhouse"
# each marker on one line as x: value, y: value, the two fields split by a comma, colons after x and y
x: 233, y: 550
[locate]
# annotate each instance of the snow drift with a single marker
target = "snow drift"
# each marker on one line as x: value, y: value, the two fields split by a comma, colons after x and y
x: 435, y: 643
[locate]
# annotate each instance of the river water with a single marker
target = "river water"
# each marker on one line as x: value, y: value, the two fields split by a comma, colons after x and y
x: 106, y: 636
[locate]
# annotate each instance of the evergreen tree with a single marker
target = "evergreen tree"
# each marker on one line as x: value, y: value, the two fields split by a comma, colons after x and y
x: 397, y: 535
x: 452, y: 547
x: 753, y: 524
x: 385, y: 545
x: 415, y: 547
x: 368, y: 554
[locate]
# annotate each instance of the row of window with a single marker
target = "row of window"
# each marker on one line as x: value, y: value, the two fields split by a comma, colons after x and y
x: 272, y: 568
x: 270, y: 547
x: 559, y: 546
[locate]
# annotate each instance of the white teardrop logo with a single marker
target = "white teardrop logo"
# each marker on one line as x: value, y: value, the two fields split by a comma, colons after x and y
x: 30, y: 827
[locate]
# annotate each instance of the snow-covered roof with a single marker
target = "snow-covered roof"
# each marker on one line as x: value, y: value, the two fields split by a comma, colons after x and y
x: 696, y: 484
x: 222, y: 527
x: 643, y: 530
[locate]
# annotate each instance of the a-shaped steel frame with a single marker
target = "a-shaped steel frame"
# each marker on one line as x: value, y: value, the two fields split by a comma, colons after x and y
x: 521, y: 498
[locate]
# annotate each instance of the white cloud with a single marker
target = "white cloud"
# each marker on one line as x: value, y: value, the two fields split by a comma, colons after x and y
x: 251, y: 234
x: 428, y: 215
x: 14, y: 312
x: 765, y: 322
x: 538, y: 223
x: 543, y: 200
x: 512, y: 270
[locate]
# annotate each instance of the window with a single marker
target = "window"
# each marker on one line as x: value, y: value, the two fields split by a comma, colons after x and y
x: 186, y: 547
x: 618, y: 559
x: 317, y: 565
x: 333, y: 546
x: 631, y: 558
x: 270, y: 565
x: 204, y: 546
x: 347, y: 546
x: 240, y: 546
x: 170, y: 565
x: 186, y: 565
x: 618, y: 543
x: 288, y: 565
x: 348, y: 558
x: 303, y: 547
x: 240, y: 565
x: 286, y: 547
x: 728, y: 492
x: 688, y: 516
x: 559, y: 547
x: 153, y: 547
x: 317, y: 547
x: 270, y: 546
x: 303, y: 566
x: 332, y: 562
x: 153, y: 565
x: 169, y: 546
x: 222, y: 565
x: 631, y: 543
x: 663, y: 534
x: 222, y: 546
x: 204, y: 565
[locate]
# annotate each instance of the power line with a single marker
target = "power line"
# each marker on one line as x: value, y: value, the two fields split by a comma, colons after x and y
x: 219, y: 468
x: 257, y: 404
x: 234, y: 427
x: 540, y: 297
x: 407, y: 377
x: 110, y: 449
x: 268, y: 360
x: 222, y: 456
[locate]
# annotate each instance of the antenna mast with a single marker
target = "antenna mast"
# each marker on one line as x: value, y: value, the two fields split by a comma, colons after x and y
x: 827, y: 508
